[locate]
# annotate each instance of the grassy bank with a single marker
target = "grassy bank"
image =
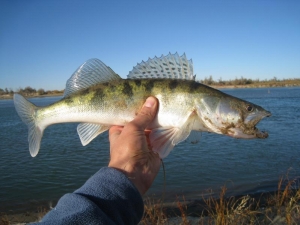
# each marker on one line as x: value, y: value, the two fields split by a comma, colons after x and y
x: 249, y: 83
x: 10, y: 96
x: 279, y: 207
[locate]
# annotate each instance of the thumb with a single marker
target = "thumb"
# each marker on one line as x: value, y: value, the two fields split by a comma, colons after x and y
x: 147, y: 113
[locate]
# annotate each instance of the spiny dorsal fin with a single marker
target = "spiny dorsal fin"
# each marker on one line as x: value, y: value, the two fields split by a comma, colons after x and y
x: 171, y: 66
x: 88, y: 74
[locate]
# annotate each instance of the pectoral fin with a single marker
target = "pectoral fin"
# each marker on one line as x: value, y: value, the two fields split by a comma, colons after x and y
x: 88, y: 131
x: 194, y: 137
x: 164, y: 139
x: 161, y: 140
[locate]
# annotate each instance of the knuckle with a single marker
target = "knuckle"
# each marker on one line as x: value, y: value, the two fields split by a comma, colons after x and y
x: 146, y: 113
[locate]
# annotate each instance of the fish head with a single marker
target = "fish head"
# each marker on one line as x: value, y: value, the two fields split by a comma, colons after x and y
x: 232, y: 116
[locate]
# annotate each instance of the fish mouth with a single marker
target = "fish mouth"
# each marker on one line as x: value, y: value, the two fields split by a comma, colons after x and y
x: 247, y: 133
x: 258, y: 133
x: 249, y: 130
x: 261, y: 134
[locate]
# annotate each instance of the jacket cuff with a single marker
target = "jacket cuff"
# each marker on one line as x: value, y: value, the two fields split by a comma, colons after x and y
x: 115, y: 195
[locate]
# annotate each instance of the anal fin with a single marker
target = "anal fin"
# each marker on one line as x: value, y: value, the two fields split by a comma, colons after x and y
x: 88, y: 131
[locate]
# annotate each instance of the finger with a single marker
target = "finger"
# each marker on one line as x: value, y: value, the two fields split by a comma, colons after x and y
x: 147, y: 132
x: 114, y: 132
x: 146, y: 114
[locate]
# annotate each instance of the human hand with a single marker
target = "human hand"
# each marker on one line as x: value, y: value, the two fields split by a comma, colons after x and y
x: 130, y: 148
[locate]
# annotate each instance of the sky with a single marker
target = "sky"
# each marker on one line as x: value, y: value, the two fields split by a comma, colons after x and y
x: 43, y: 42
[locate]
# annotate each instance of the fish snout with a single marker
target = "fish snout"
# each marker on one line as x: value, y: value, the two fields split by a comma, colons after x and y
x: 268, y: 114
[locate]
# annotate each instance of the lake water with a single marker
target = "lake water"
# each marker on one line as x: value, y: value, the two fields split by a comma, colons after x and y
x: 63, y: 164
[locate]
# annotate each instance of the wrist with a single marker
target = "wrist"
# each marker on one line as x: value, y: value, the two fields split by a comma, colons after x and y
x: 134, y: 178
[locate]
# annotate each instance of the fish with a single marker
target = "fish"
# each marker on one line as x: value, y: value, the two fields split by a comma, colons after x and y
x: 98, y: 98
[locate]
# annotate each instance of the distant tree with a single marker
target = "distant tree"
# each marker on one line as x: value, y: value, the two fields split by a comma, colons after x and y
x: 208, y: 81
x: 11, y: 92
x: 229, y: 82
x: 248, y: 81
x: 221, y: 82
x: 29, y: 91
x: 56, y: 92
x: 20, y: 90
x: 6, y: 91
x: 41, y: 91
x: 2, y: 92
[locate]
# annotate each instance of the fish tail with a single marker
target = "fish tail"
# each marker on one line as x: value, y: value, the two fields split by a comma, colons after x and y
x: 27, y: 111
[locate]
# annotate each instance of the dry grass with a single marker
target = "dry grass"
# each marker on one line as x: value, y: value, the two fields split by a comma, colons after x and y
x: 225, y: 211
x: 153, y: 212
x: 281, y: 207
x: 285, y: 203
x: 183, y: 211
x: 4, y: 220
x: 23, y: 218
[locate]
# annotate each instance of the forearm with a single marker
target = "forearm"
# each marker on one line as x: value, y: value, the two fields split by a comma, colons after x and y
x: 108, y: 197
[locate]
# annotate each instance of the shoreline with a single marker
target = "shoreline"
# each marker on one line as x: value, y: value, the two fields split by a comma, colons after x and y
x: 6, y: 97
x: 282, y: 202
x: 178, y: 210
x: 253, y: 86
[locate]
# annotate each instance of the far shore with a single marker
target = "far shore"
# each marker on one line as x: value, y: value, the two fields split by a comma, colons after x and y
x: 2, y: 97
x: 8, y: 96
x: 253, y: 86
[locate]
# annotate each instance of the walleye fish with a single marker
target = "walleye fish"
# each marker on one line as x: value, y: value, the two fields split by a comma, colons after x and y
x: 97, y: 98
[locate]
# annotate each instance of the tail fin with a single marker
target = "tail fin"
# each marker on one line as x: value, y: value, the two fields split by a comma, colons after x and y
x: 26, y: 110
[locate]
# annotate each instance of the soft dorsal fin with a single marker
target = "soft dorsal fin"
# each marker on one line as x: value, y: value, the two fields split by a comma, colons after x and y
x: 171, y: 66
x: 88, y: 74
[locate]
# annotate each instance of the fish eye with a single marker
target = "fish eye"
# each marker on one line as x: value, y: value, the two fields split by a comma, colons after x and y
x: 249, y: 108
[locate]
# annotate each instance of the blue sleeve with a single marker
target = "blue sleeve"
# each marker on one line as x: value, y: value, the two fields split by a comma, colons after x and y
x: 108, y: 197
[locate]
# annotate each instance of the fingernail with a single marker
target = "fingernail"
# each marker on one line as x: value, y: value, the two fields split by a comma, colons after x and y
x: 149, y: 102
